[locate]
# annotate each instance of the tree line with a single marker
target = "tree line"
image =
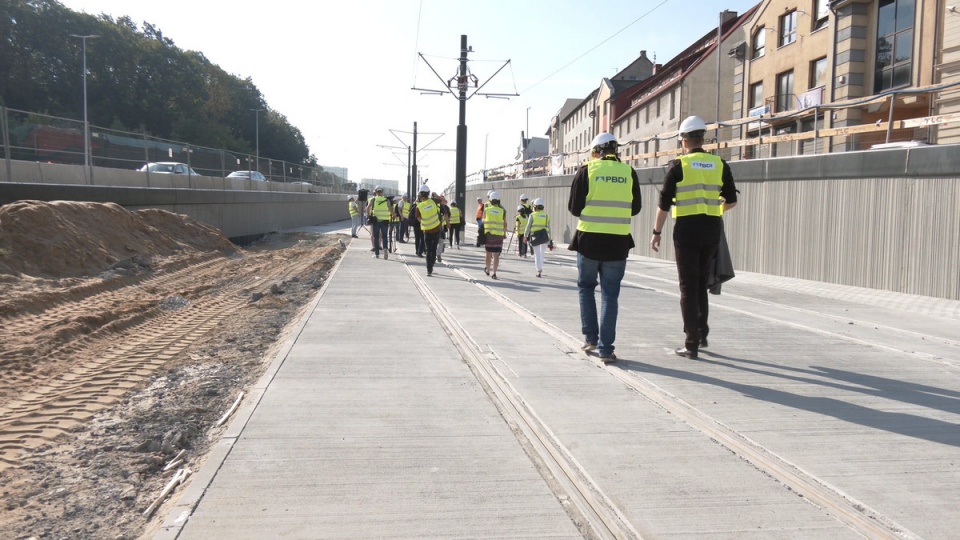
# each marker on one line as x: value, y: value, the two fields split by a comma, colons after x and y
x: 137, y: 80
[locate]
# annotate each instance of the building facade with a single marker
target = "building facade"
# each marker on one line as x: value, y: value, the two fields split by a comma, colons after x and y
x: 649, y: 115
x: 857, y: 58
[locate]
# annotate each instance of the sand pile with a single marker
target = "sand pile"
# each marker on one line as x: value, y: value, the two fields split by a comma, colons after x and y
x: 63, y: 239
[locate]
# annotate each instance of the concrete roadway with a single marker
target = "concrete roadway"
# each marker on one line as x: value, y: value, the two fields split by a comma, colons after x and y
x: 458, y: 406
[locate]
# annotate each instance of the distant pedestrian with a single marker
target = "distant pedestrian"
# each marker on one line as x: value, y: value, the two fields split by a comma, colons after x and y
x: 430, y: 218
x: 402, y: 211
x: 479, y: 222
x: 354, y: 215
x: 699, y: 186
x: 444, y: 223
x: 539, y: 241
x: 379, y: 216
x: 605, y: 193
x: 418, y: 245
x: 456, y: 223
x: 495, y: 229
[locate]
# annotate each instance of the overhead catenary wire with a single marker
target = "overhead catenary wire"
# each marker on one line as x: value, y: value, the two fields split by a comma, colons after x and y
x: 595, y: 47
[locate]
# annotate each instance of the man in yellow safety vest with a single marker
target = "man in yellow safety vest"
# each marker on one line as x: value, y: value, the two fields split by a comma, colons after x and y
x: 699, y: 186
x: 605, y: 194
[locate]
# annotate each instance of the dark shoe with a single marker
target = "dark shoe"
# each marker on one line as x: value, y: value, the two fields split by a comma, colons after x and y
x: 429, y: 274
x: 608, y: 358
x: 703, y: 343
x: 538, y: 273
x: 494, y: 276
x: 386, y: 254
x: 486, y: 271
x: 686, y: 353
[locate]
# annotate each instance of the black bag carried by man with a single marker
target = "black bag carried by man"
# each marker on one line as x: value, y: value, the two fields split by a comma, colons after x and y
x: 539, y: 237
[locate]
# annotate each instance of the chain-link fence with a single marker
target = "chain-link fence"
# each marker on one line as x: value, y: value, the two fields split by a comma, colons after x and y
x: 28, y: 136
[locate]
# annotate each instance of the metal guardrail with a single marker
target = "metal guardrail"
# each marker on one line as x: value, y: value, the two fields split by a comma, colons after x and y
x: 30, y: 136
x: 895, y: 131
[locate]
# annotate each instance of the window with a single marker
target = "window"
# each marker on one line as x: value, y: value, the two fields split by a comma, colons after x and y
x: 894, y: 62
x: 756, y: 95
x: 788, y: 28
x: 673, y: 104
x: 759, y: 42
x: 818, y: 72
x: 658, y: 107
x: 822, y: 12
x: 785, y: 97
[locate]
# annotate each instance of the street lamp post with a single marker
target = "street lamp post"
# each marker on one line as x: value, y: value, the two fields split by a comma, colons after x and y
x: 86, y: 122
x: 256, y: 113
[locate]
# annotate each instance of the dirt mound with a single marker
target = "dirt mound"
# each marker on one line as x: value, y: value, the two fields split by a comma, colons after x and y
x: 124, y: 338
x: 64, y: 239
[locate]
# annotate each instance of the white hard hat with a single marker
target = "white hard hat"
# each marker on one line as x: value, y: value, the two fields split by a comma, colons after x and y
x: 378, y: 188
x: 488, y: 193
x: 494, y: 195
x: 523, y: 197
x: 603, y: 139
x: 538, y: 202
x: 520, y: 208
x: 691, y: 124
x: 425, y: 189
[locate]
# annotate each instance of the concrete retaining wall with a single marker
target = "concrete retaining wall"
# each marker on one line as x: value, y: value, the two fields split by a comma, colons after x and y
x: 880, y: 219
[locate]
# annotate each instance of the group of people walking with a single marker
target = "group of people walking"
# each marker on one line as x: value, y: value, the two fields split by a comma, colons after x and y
x: 531, y: 227
x: 604, y: 195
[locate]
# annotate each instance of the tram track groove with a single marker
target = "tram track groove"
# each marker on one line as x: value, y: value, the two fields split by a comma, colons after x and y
x: 599, y: 513
x: 853, y: 513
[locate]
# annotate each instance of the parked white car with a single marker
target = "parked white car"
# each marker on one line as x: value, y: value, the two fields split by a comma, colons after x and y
x: 256, y: 176
x: 168, y: 167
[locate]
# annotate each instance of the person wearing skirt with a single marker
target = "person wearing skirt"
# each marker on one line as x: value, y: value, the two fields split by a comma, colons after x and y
x: 494, y: 229
x: 538, y: 221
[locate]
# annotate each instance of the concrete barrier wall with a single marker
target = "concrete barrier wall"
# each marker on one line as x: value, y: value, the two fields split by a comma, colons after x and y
x: 237, y: 213
x: 880, y: 219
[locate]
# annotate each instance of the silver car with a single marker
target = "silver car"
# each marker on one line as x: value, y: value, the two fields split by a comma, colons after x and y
x: 168, y: 167
x: 256, y: 176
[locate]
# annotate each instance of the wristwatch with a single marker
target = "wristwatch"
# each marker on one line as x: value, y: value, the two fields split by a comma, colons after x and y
x: 656, y: 232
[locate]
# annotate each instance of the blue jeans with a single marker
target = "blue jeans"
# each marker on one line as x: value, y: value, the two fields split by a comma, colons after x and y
x: 381, y: 236
x: 610, y: 275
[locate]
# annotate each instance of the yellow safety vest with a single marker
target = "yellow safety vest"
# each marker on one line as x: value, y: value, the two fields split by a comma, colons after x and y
x: 699, y: 191
x: 429, y: 215
x: 354, y: 211
x: 454, y: 215
x: 540, y: 221
x: 381, y: 209
x: 493, y: 220
x: 609, y: 198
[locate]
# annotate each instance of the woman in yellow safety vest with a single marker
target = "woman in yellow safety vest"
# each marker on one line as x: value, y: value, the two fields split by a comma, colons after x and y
x: 456, y: 223
x: 538, y: 221
x: 494, y: 229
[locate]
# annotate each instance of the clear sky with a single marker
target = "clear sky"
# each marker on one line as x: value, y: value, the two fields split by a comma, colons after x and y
x: 342, y: 71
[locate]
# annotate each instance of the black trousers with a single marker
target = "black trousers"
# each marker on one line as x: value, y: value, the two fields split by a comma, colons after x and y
x: 455, y: 234
x: 418, y: 238
x: 431, y: 240
x: 695, y: 239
